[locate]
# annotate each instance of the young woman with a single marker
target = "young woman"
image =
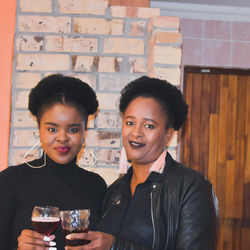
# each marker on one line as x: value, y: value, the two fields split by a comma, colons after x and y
x: 159, y: 203
x: 61, y: 105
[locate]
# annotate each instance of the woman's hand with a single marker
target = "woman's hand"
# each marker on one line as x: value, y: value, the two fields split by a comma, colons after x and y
x: 99, y: 241
x: 29, y: 239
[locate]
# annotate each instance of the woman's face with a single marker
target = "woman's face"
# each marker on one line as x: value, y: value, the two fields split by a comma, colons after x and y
x: 62, y: 129
x: 144, y: 130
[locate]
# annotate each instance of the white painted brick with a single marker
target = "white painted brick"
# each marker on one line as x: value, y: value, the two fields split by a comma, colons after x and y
x: 131, y: 12
x: 86, y: 157
x: 167, y: 55
x: 109, y: 64
x: 137, y: 65
x: 88, y: 78
x: 25, y: 138
x: 36, y: 6
x: 23, y: 119
x: 115, y: 82
x: 98, y: 26
x: 109, y: 120
x: 103, y: 139
x: 119, y: 45
x: 137, y: 28
x: 96, y: 7
x: 22, y: 99
x: 29, y: 23
x: 108, y: 101
x: 71, y: 44
x: 170, y: 74
x: 17, y: 156
x: 29, y: 43
x: 148, y: 12
x: 96, y: 63
x: 108, y: 157
x: 83, y: 63
x: 42, y: 62
x: 166, y: 22
x: 27, y: 80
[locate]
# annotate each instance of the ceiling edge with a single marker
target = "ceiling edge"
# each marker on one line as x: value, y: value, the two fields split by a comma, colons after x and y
x: 202, y: 11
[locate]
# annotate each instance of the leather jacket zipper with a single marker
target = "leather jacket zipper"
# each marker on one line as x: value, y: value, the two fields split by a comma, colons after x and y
x: 152, y: 217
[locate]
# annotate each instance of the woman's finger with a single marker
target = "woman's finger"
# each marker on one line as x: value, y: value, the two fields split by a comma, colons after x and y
x: 98, y: 240
x: 29, y: 239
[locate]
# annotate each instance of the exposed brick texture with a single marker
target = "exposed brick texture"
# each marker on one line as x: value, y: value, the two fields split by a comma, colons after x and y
x: 29, y: 43
x: 105, y: 46
x: 99, y: 138
x: 109, y: 120
x: 96, y: 64
x: 23, y: 119
x: 36, y: 6
x: 98, y: 26
x: 27, y: 80
x: 42, y: 62
x: 121, y: 11
x: 118, y: 45
x: 86, y: 7
x: 44, y: 24
x: 71, y: 44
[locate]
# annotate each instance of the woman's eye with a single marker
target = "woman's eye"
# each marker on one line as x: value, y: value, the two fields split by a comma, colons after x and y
x: 129, y: 123
x: 51, y: 129
x: 73, y: 130
x: 150, y: 126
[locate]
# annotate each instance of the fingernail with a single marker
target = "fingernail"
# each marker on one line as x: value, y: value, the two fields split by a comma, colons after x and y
x: 52, y: 248
x: 68, y: 237
x: 46, y: 238
x: 52, y: 243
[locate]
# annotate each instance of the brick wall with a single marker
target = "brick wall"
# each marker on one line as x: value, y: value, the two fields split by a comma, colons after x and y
x: 106, y: 46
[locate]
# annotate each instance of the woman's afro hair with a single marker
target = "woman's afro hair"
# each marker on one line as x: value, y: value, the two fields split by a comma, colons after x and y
x: 49, y: 87
x: 166, y: 93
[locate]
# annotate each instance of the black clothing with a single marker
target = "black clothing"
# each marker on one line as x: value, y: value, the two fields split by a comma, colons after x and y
x: 65, y: 186
x: 183, y: 211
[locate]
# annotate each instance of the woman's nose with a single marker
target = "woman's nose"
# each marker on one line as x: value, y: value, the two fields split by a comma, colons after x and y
x: 137, y: 131
x: 62, y: 136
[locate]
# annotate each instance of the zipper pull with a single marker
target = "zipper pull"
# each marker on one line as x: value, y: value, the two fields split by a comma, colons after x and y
x: 117, y: 201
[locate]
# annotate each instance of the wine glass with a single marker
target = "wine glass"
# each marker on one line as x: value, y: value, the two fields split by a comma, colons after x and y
x: 45, y: 219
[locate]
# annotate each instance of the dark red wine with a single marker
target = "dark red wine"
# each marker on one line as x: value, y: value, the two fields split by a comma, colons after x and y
x: 45, y: 225
x: 77, y: 242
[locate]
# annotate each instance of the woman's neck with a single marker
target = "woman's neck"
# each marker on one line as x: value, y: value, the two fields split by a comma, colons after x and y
x: 140, y: 174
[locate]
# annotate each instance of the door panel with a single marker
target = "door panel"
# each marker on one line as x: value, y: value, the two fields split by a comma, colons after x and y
x: 216, y: 142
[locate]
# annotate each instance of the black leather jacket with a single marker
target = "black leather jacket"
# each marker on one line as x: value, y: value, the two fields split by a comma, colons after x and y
x: 184, y: 210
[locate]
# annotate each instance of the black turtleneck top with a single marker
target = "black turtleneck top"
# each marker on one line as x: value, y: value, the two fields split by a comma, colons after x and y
x: 65, y: 186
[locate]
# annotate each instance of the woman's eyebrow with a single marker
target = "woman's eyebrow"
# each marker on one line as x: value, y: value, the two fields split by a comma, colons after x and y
x: 51, y: 123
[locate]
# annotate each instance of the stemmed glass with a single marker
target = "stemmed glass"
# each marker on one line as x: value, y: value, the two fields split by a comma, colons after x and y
x: 45, y: 219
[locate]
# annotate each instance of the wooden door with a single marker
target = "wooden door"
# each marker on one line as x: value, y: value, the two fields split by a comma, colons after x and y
x: 216, y: 142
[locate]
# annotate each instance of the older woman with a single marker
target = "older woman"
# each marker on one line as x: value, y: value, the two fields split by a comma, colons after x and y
x: 159, y: 203
x: 61, y: 105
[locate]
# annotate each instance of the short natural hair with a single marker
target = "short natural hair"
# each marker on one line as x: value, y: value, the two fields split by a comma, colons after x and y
x: 168, y: 95
x: 62, y: 89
